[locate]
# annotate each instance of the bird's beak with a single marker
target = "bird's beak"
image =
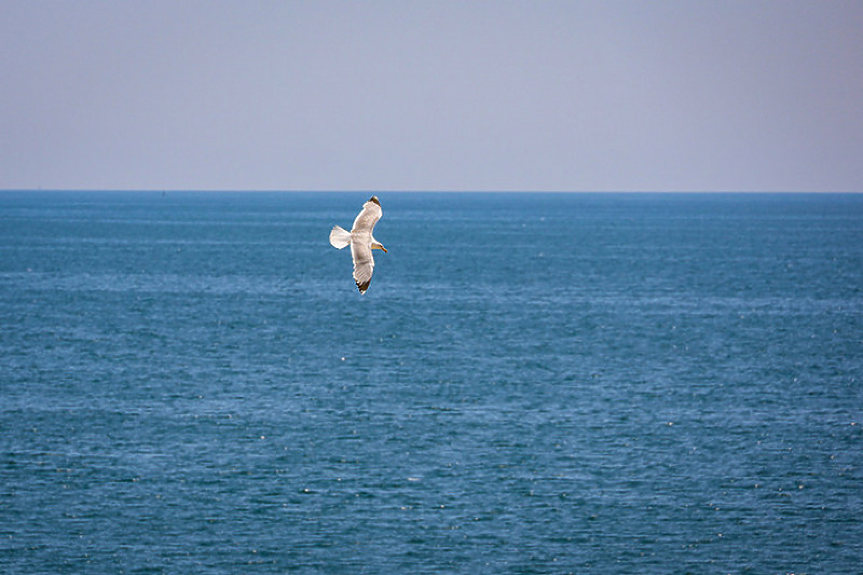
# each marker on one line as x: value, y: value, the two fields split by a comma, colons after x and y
x: 383, y: 248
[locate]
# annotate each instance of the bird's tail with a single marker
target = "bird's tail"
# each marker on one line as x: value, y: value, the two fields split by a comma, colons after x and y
x: 340, y: 237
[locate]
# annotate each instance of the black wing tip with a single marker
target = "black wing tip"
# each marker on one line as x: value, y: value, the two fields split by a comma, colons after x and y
x: 375, y: 200
x: 363, y: 286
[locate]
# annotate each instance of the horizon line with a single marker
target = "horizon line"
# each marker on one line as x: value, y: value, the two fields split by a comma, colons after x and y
x: 419, y: 191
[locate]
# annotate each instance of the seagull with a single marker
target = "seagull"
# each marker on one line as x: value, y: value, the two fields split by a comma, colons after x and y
x: 361, y: 241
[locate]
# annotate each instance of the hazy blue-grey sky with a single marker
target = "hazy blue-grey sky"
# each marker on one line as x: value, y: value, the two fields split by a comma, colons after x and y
x: 436, y: 95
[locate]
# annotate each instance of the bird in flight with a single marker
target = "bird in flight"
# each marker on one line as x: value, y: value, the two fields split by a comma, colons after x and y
x: 361, y: 241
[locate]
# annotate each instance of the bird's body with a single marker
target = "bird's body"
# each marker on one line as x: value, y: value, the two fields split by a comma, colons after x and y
x: 361, y: 241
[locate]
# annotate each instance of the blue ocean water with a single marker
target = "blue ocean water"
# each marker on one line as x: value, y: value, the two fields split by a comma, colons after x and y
x: 534, y: 383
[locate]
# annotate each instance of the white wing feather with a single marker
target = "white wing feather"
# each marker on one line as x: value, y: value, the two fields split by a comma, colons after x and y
x: 364, y: 265
x: 367, y: 218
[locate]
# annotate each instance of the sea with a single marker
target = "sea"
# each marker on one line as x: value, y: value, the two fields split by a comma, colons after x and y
x: 534, y: 383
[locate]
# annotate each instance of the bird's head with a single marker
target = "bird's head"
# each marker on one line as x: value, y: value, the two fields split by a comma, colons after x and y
x: 376, y: 245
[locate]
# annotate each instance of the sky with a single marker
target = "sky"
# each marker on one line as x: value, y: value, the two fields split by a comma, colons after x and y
x: 754, y: 95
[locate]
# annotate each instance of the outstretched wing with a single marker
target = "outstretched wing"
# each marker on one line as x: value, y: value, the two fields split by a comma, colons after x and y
x: 367, y: 218
x: 364, y: 264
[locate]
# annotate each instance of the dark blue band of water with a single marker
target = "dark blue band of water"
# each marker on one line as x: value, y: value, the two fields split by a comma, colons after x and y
x: 549, y: 383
